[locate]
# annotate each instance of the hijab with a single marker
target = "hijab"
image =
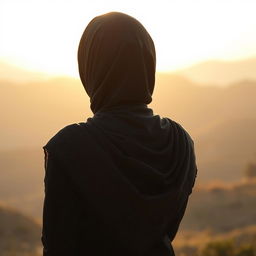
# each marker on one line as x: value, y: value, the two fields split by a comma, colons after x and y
x: 116, y: 58
x: 134, y: 170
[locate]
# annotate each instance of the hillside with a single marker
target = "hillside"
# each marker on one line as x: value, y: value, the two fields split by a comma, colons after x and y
x: 19, y: 75
x: 207, y: 73
x: 198, y: 108
x: 21, y: 183
x: 219, y: 215
x: 238, y: 242
x: 56, y: 103
x: 221, y: 121
x: 32, y: 112
x: 220, y: 73
x: 20, y: 235
x: 221, y: 207
x: 225, y: 148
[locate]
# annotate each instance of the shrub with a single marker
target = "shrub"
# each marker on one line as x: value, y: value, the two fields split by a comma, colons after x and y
x: 246, y: 250
x: 218, y: 248
x: 250, y: 171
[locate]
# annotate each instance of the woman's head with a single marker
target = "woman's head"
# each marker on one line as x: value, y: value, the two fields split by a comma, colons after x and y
x: 116, y: 59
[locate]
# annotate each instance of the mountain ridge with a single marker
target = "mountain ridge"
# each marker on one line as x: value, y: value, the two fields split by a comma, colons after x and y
x: 20, y: 234
x: 220, y: 73
x: 207, y: 73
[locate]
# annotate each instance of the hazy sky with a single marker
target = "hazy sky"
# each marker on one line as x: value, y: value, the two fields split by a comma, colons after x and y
x: 43, y: 35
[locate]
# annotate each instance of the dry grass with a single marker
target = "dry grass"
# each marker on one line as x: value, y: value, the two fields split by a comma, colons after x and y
x: 218, y: 212
x: 191, y: 243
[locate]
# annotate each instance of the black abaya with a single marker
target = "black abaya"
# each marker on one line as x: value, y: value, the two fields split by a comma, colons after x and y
x: 117, y: 184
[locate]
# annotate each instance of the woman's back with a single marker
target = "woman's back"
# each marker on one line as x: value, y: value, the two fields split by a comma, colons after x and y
x: 124, y: 176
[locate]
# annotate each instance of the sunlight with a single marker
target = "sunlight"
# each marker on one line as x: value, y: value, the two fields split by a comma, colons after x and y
x: 44, y: 35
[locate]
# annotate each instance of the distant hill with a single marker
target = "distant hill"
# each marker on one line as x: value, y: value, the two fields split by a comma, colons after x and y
x: 221, y: 73
x: 198, y: 107
x: 208, y: 73
x: 224, y: 149
x: 221, y: 208
x: 222, y: 122
x: 34, y: 111
x: 20, y: 235
x: 220, y: 213
x: 21, y: 183
x: 19, y: 75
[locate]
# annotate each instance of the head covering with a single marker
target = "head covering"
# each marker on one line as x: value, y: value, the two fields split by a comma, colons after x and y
x: 132, y: 169
x: 116, y: 59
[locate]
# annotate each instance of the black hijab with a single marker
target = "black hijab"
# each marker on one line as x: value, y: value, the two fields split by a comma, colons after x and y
x: 116, y: 59
x: 133, y: 170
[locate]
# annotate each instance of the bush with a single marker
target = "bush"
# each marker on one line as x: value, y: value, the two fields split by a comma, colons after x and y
x: 227, y: 248
x: 250, y: 171
x: 246, y: 250
x: 218, y: 248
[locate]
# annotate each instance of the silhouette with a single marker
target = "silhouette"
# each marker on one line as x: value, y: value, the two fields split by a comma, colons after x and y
x: 119, y: 183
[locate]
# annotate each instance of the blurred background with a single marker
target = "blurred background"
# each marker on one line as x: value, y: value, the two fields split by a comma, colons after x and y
x: 206, y: 81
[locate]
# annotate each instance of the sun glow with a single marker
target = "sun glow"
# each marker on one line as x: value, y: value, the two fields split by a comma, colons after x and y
x: 44, y: 35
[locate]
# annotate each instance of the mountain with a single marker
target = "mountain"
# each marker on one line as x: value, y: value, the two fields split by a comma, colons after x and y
x: 34, y: 111
x: 225, y: 148
x: 219, y: 216
x: 221, y: 73
x: 20, y: 234
x: 19, y: 75
x: 207, y: 73
x: 21, y: 184
x: 221, y: 121
x: 221, y: 207
x: 198, y: 107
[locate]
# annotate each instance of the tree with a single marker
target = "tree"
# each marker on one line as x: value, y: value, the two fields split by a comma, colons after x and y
x: 250, y: 171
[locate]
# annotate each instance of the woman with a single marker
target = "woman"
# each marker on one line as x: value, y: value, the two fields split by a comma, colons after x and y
x: 117, y: 184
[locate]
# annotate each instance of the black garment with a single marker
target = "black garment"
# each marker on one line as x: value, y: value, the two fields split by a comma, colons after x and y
x: 110, y: 190
x: 117, y: 184
x: 116, y: 58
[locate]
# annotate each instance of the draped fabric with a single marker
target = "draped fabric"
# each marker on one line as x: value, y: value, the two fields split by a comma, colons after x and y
x: 127, y: 173
x: 116, y: 58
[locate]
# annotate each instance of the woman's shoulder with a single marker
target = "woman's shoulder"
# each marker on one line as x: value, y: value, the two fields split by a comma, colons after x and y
x: 180, y: 128
x: 64, y: 137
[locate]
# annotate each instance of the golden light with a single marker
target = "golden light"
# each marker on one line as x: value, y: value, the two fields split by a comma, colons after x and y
x: 44, y: 35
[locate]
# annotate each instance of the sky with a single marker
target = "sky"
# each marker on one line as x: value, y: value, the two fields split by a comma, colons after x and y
x: 43, y: 35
